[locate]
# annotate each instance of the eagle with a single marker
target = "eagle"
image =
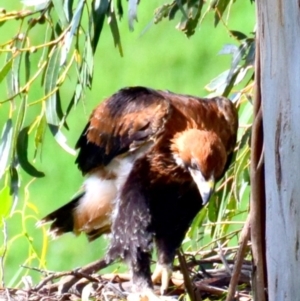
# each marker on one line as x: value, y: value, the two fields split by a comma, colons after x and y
x: 151, y: 159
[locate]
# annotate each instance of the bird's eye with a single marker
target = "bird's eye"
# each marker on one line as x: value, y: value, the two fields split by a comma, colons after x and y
x: 194, y: 165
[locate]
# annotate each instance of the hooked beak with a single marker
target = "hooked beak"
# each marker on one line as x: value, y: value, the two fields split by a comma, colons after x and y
x: 206, y: 187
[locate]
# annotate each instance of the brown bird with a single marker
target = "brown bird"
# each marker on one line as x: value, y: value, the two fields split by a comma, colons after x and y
x: 151, y: 159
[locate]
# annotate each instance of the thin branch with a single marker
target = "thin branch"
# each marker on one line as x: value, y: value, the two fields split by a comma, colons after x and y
x: 245, y: 235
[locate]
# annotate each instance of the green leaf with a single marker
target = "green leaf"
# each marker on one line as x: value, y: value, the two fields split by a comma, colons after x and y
x: 22, y: 146
x: 13, y: 77
x: 59, y: 110
x: 59, y: 9
x: 190, y: 17
x: 89, y: 60
x: 5, y: 145
x: 132, y: 12
x: 113, y: 24
x: 68, y: 4
x: 212, y: 209
x: 228, y: 49
x: 6, y: 68
x: 250, y: 57
x: 61, y: 139
x: 70, y: 34
x: 218, y: 84
x: 51, y: 76
x: 238, y: 35
x: 99, y: 11
x: 14, y: 185
x: 27, y: 66
x: 220, y: 8
x: 236, y: 58
x: 120, y: 8
x: 198, y: 221
x: 39, y: 134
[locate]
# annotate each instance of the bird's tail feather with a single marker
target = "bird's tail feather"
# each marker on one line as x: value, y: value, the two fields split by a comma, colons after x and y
x: 62, y: 219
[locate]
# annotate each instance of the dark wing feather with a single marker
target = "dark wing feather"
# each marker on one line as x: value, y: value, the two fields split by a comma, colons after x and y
x: 122, y: 123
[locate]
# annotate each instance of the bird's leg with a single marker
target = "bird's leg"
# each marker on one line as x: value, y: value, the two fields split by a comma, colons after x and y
x: 140, y: 269
x: 162, y: 273
x: 165, y: 256
x: 142, y: 287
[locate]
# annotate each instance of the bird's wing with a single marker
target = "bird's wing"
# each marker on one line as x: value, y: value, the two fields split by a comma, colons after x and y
x: 122, y: 123
x: 216, y: 114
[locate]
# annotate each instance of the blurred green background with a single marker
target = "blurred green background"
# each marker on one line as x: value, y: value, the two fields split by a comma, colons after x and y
x: 158, y: 56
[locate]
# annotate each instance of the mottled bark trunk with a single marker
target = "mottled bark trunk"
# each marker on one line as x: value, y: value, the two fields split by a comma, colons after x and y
x: 279, y: 35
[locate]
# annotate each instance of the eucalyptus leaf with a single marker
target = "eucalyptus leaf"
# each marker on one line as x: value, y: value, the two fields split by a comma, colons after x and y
x: 68, y: 4
x: 70, y: 34
x: 22, y: 154
x: 220, y: 8
x: 51, y: 77
x: 59, y: 9
x: 132, y: 12
x: 61, y: 139
x: 99, y: 11
x: 113, y: 24
x: 14, y: 185
x: 6, y: 68
x: 5, y: 145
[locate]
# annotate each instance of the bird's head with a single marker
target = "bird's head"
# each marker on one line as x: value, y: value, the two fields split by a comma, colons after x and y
x: 203, y: 155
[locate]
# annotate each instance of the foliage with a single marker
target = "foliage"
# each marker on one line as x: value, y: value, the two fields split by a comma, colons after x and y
x: 66, y: 52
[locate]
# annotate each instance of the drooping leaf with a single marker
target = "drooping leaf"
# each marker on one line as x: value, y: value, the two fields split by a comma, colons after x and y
x: 68, y: 4
x: 27, y: 66
x: 113, y: 24
x: 5, y: 145
x: 236, y: 58
x: 61, y: 139
x: 228, y: 49
x: 132, y: 13
x: 59, y: 9
x: 220, y: 8
x: 190, y: 16
x: 250, y: 57
x: 13, y: 77
x: 99, y: 11
x: 163, y: 12
x: 39, y: 133
x: 89, y: 60
x: 14, y: 186
x: 238, y: 35
x: 218, y: 83
x: 119, y: 8
x: 22, y: 154
x: 59, y: 109
x: 51, y: 76
x: 70, y: 34
x: 5, y: 69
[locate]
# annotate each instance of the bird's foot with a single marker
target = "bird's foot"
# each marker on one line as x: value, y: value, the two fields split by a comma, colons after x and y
x: 162, y: 274
x: 148, y: 295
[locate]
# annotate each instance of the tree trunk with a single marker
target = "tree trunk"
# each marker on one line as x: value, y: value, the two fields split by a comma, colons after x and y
x: 279, y: 35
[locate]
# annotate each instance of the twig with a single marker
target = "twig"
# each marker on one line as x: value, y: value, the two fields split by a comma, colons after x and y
x: 83, y: 272
x: 192, y: 291
x: 223, y: 259
x: 239, y: 260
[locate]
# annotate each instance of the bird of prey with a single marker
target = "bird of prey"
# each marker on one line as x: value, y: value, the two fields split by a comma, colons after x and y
x: 151, y: 159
